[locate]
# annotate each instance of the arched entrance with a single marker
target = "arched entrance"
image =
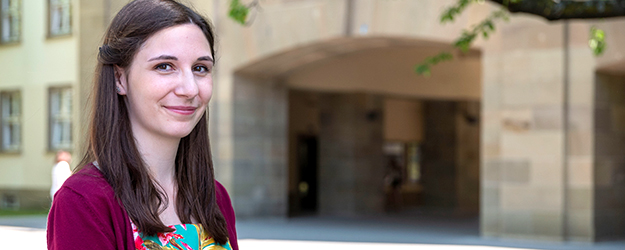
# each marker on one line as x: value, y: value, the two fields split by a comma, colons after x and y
x: 345, y: 127
x: 609, y: 144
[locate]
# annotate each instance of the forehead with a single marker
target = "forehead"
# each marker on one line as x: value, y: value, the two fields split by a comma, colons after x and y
x: 179, y: 40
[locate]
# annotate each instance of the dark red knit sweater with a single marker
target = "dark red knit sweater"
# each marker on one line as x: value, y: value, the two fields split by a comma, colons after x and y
x: 86, y: 215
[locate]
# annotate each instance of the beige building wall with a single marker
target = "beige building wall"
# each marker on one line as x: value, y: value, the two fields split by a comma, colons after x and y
x: 544, y: 150
x: 522, y: 139
x: 32, y: 66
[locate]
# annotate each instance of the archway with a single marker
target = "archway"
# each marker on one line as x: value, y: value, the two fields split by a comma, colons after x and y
x: 344, y: 109
x: 609, y: 144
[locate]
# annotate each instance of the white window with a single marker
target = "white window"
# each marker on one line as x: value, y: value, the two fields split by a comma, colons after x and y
x: 59, y: 17
x: 60, y: 118
x: 10, y: 23
x: 10, y: 104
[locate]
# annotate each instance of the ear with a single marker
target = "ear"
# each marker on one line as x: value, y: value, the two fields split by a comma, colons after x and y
x: 121, y: 80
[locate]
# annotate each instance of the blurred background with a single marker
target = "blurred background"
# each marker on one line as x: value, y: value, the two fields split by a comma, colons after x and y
x: 319, y: 114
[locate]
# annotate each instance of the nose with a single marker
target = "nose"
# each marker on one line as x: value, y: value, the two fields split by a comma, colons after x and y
x: 188, y: 86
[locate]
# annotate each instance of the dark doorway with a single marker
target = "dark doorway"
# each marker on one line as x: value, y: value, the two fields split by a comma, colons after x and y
x: 307, y: 168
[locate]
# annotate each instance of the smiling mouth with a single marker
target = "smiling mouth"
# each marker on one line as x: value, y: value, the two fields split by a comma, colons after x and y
x: 183, y: 110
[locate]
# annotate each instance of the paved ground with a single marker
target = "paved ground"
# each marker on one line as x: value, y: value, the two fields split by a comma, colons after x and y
x: 393, y: 233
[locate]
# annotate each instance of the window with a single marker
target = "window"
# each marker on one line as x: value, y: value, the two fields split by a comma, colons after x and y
x: 60, y: 118
x: 10, y: 104
x: 10, y: 22
x: 59, y: 17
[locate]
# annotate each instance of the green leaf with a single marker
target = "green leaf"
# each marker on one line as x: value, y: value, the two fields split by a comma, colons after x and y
x: 596, y: 42
x: 485, y: 28
x: 424, y: 68
x: 451, y: 12
x: 238, y: 12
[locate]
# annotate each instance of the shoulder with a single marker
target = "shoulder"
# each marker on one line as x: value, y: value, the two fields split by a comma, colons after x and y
x: 88, y: 183
x: 86, y: 215
x: 87, y: 190
x: 86, y: 198
x: 223, y: 198
x: 225, y: 206
x: 220, y: 190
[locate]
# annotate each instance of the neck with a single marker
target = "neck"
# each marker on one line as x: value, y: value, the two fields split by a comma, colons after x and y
x: 159, y: 155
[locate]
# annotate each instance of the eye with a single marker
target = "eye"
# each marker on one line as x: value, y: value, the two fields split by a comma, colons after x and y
x: 201, y: 69
x: 163, y: 67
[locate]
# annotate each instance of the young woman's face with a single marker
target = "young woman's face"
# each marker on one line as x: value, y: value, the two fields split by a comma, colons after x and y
x: 169, y: 83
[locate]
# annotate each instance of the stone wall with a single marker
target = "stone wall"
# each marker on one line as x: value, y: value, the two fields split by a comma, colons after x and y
x: 351, y: 163
x: 522, y: 133
x: 579, y: 224
x: 450, y: 172
x: 538, y: 147
x: 468, y: 156
x: 259, y: 152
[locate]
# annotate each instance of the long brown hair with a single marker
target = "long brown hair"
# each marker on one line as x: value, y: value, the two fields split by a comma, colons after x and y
x: 111, y: 142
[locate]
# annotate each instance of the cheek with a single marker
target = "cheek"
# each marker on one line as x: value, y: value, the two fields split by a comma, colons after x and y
x: 206, y: 91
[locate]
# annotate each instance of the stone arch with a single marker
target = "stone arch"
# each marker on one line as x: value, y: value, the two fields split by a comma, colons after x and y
x: 356, y: 73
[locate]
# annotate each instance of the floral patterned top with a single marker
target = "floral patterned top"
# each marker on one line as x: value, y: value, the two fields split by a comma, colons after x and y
x: 184, y: 237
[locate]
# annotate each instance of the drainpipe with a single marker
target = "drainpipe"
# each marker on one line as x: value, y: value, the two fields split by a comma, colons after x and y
x: 349, y: 18
x: 565, y: 130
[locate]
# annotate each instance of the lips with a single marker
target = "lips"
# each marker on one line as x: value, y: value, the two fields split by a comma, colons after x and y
x: 183, y: 110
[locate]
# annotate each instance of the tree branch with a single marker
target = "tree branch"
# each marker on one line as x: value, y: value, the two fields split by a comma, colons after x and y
x: 566, y: 9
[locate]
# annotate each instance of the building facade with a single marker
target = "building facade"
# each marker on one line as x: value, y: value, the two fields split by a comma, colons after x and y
x: 316, y: 109
x: 38, y: 83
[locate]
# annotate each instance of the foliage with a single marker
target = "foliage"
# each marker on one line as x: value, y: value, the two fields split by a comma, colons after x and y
x: 597, y: 41
x: 424, y: 67
x: 238, y: 12
x: 454, y: 10
x: 485, y: 28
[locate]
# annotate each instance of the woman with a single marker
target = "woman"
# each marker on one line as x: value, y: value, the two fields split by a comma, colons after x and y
x: 146, y: 180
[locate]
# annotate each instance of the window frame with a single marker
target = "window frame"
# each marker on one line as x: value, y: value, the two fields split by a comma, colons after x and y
x: 49, y: 32
x: 18, y: 37
x: 51, y: 119
x: 18, y: 148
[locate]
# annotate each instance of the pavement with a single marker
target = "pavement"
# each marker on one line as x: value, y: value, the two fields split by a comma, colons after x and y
x: 362, y: 233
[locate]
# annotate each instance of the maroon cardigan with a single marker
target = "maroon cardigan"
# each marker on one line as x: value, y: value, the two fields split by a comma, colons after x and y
x: 86, y: 215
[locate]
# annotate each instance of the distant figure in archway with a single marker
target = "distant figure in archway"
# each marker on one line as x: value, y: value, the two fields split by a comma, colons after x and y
x: 393, y: 181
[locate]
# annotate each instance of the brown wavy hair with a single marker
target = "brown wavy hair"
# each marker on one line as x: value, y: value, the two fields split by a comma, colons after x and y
x: 111, y: 142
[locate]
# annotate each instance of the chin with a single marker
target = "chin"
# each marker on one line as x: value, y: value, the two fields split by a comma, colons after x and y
x: 181, y: 133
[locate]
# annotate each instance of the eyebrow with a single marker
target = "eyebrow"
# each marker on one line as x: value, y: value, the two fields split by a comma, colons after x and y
x: 163, y: 57
x: 167, y: 57
x: 206, y: 58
